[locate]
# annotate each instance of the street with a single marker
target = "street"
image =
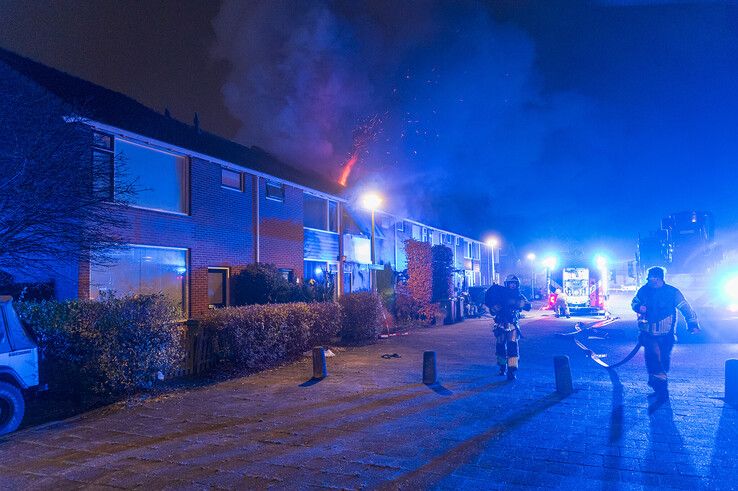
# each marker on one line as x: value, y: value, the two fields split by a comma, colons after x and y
x: 371, y: 423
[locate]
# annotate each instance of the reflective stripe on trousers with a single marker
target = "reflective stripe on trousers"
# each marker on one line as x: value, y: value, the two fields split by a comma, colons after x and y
x: 506, y: 347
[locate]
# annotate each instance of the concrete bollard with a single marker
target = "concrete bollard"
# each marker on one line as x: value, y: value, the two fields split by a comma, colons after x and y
x: 429, y: 368
x: 562, y: 371
x: 320, y: 370
x: 731, y: 381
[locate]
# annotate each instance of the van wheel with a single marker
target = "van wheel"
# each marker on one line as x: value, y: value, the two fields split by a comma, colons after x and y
x: 12, y: 407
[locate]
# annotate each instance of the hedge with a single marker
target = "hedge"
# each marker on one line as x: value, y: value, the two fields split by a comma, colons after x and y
x: 362, y: 317
x: 106, y: 348
x: 262, y: 336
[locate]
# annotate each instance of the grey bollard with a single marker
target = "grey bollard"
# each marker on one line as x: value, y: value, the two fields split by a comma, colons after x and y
x: 563, y: 375
x: 320, y: 371
x: 731, y: 381
x: 429, y: 368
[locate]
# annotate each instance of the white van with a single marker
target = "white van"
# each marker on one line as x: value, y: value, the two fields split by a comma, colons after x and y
x: 18, y: 366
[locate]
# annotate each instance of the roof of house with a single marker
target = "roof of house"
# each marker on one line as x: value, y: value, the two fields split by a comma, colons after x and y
x: 114, y: 109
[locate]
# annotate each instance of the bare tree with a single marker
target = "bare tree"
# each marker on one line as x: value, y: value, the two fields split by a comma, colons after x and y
x: 58, y: 202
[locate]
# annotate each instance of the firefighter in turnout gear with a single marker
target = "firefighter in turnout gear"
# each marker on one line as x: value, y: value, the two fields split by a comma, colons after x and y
x: 656, y: 304
x: 505, y: 304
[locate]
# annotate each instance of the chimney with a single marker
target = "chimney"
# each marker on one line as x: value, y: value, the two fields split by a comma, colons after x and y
x: 167, y: 113
x: 196, y: 122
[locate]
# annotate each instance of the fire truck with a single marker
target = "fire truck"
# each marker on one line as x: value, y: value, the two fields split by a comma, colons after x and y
x: 695, y: 263
x: 585, y: 289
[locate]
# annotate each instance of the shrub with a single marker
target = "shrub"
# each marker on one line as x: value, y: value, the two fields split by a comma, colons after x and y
x: 419, y: 284
x: 326, y: 324
x: 105, y: 348
x: 262, y: 336
x: 443, y: 286
x: 260, y: 283
x: 362, y: 317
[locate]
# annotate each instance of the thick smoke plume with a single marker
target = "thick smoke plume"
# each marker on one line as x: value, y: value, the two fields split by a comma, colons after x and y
x: 463, y: 122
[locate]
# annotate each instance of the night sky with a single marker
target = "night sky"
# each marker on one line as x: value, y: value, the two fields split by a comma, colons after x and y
x: 577, y: 123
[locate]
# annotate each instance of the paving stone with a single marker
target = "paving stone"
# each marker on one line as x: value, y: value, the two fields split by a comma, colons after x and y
x: 372, y: 424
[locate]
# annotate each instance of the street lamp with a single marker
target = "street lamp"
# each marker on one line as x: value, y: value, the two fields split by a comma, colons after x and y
x: 550, y: 263
x: 372, y: 201
x: 532, y: 258
x: 491, y: 242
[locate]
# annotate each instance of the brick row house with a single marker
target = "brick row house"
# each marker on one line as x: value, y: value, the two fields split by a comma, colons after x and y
x: 206, y: 207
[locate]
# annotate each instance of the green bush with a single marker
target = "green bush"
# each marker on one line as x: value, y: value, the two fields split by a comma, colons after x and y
x: 105, y: 348
x: 362, y: 317
x: 262, y: 336
x: 261, y: 283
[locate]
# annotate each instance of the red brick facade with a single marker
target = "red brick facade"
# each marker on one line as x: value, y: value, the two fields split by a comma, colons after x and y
x: 281, y: 229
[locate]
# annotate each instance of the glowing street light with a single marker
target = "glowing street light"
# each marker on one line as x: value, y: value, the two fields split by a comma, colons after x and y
x: 531, y: 256
x: 492, y: 242
x: 550, y: 262
x: 371, y: 201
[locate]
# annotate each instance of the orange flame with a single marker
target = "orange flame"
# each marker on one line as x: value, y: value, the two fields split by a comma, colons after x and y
x: 347, y: 169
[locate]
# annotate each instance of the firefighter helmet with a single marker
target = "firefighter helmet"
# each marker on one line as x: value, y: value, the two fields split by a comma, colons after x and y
x: 512, y: 279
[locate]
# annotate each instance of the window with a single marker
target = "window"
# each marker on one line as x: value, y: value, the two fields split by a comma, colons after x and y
x: 230, y: 179
x: 401, y: 226
x: 143, y: 269
x: 416, y: 232
x: 160, y: 178
x: 320, y: 213
x: 314, y: 212
x: 274, y: 191
x: 288, y: 274
x: 217, y: 287
x: 103, y: 161
x: 467, y: 249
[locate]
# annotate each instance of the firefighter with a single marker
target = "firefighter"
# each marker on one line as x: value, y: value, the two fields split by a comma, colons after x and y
x: 561, y: 307
x: 656, y: 304
x: 505, y: 304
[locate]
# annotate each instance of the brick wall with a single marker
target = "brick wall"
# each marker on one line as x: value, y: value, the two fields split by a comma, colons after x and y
x: 217, y: 232
x: 281, y: 236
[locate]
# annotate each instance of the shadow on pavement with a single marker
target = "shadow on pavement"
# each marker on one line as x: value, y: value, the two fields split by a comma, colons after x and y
x: 613, y: 458
x: 439, y: 389
x: 310, y: 382
x: 442, y: 465
x: 723, y: 449
x: 617, y: 414
x: 667, y: 463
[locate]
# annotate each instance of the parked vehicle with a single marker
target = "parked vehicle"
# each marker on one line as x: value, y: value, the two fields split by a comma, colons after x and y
x: 583, y: 288
x: 19, y: 364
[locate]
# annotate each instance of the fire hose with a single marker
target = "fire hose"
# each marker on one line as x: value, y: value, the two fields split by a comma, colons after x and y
x: 596, y: 357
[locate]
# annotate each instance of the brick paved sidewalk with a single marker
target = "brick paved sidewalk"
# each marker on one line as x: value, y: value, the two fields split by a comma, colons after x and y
x: 372, y: 424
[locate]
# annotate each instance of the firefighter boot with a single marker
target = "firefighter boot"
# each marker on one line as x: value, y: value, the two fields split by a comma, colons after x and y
x: 511, y: 373
x: 660, y: 388
x: 503, y: 370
